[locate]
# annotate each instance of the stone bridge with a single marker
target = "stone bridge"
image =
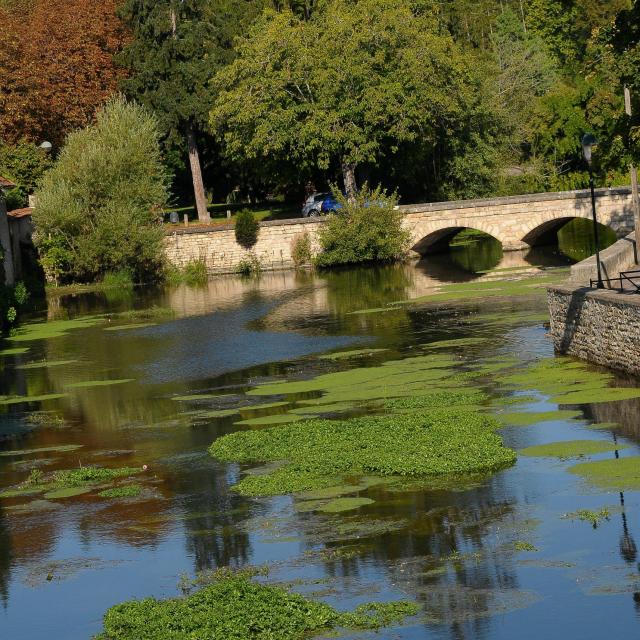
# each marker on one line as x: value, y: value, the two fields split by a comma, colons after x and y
x: 517, y: 222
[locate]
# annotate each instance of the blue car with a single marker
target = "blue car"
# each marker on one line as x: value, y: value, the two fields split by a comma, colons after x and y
x: 330, y: 205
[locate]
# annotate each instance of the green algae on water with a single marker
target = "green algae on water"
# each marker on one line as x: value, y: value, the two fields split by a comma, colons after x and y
x: 418, y: 444
x: 619, y: 474
x: 62, y: 448
x: 280, y: 418
x: 90, y: 384
x: 66, y: 492
x: 588, y: 515
x: 351, y: 354
x: 45, y: 364
x: 40, y: 398
x: 339, y: 505
x: 525, y: 419
x: 16, y: 351
x: 570, y: 449
x: 195, y: 397
x: 53, y: 328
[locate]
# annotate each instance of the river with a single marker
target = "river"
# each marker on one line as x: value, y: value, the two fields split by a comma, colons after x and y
x: 151, y: 377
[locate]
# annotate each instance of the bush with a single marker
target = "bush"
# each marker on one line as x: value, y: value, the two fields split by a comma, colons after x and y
x: 98, y: 208
x: 24, y: 164
x: 362, y: 231
x: 193, y: 273
x: 11, y: 300
x: 247, y: 228
x: 301, y: 250
x: 249, y: 266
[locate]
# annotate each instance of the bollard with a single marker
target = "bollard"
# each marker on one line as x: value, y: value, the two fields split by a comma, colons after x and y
x: 228, y: 214
x: 186, y: 220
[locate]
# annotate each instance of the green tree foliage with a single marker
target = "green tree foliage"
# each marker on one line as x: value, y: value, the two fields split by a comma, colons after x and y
x: 98, y: 208
x: 365, y: 229
x: 24, y: 164
x: 177, y: 47
x: 345, y: 87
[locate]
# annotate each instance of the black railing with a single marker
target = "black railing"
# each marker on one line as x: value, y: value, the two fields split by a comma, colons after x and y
x: 627, y: 281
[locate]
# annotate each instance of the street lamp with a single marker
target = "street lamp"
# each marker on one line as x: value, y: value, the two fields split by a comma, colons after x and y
x: 588, y: 142
x: 45, y: 146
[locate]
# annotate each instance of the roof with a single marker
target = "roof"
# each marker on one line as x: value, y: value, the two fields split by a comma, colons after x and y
x: 7, y: 184
x: 20, y: 213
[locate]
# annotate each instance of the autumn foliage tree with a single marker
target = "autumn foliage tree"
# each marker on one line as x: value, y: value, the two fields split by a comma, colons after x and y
x: 56, y: 64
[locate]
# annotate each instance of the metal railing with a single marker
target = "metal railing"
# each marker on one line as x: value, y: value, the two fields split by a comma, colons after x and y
x: 627, y: 281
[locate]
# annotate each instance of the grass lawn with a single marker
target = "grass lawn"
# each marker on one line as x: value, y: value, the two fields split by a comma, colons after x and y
x: 218, y: 212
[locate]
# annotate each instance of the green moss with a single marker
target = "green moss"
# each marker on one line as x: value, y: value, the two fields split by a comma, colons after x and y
x: 90, y: 384
x: 570, y: 449
x: 418, y: 444
x: 28, y: 452
x: 619, y: 474
x: 236, y: 608
x: 40, y: 398
x: 126, y: 491
x: 525, y: 419
x: 45, y: 364
x: 339, y: 505
x: 351, y: 354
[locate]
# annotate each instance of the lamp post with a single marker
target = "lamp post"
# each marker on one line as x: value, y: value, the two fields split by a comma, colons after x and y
x: 588, y: 141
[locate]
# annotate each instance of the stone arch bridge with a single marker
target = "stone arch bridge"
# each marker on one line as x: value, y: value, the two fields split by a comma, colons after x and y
x: 517, y: 222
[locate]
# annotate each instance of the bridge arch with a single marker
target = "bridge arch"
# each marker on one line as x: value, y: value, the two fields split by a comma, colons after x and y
x: 546, y: 232
x: 437, y: 240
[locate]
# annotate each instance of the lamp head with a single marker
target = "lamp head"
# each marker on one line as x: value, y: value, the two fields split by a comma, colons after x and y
x: 588, y: 142
x: 45, y: 146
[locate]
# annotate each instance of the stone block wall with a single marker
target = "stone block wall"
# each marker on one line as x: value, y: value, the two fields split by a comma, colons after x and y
x: 218, y: 248
x: 600, y: 326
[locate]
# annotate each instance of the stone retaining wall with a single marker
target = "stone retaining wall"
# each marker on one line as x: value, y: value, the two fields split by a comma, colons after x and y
x: 599, y: 326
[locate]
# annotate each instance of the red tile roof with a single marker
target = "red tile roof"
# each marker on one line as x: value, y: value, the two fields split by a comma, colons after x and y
x: 20, y: 213
x: 7, y: 184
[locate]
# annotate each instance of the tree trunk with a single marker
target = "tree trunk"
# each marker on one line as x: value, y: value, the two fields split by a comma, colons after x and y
x: 5, y: 244
x: 196, y: 174
x: 349, y: 177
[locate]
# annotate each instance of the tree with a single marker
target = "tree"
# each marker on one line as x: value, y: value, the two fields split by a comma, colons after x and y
x: 56, y: 64
x: 177, y: 47
x: 99, y: 207
x: 346, y: 86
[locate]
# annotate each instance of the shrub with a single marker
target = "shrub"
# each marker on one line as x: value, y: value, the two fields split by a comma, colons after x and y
x: 98, y: 207
x: 249, y: 266
x: 25, y: 165
x: 370, y: 228
x: 301, y: 250
x: 247, y: 228
x: 11, y: 300
x: 193, y: 273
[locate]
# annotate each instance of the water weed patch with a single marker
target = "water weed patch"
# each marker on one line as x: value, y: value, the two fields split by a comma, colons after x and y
x: 570, y: 449
x: 416, y: 444
x: 619, y: 474
x: 236, y: 608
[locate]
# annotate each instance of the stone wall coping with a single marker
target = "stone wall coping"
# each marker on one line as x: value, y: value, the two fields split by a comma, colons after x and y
x: 520, y: 199
x: 604, y: 295
x: 229, y: 227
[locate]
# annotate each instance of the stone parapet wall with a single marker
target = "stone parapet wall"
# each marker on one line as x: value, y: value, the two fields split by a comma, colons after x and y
x: 620, y: 256
x: 600, y: 326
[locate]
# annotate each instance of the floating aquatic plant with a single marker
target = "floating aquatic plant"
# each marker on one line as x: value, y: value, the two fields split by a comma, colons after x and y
x: 570, y: 448
x: 236, y: 608
x: 617, y: 473
x: 318, y: 451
